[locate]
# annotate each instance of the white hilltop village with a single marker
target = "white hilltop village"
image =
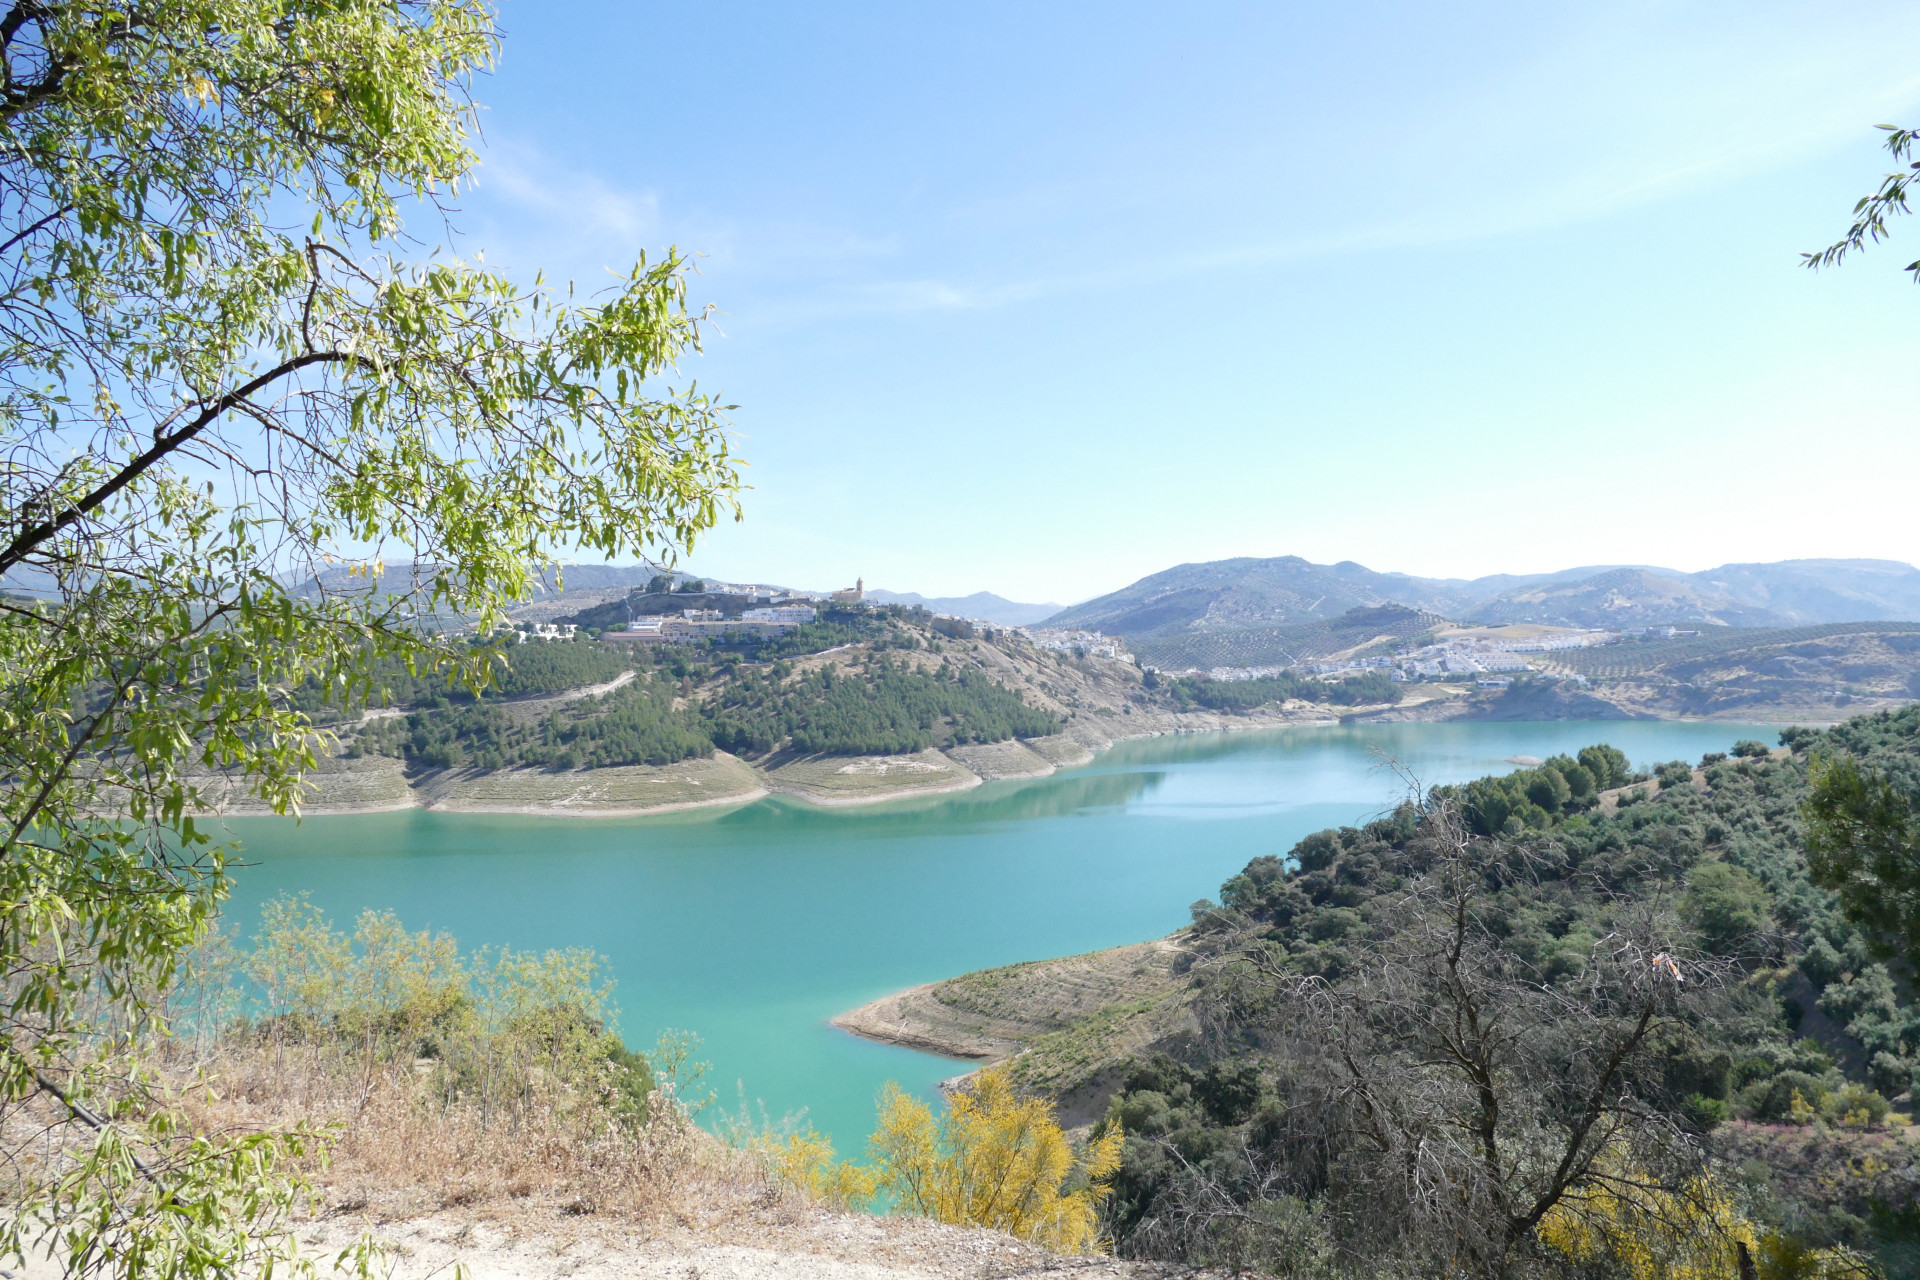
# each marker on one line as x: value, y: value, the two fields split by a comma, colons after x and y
x: 766, y: 612
x: 1488, y: 659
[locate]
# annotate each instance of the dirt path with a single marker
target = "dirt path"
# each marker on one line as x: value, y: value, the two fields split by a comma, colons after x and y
x: 595, y: 690
x: 794, y: 1244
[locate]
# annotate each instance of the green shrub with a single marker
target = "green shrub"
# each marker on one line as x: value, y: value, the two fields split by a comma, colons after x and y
x: 1774, y: 1100
x: 1674, y: 773
x: 1854, y: 1106
x: 1705, y: 1113
x: 502, y: 1029
x: 1727, y: 906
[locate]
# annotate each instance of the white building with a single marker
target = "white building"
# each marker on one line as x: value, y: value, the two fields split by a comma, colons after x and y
x: 782, y: 613
x: 1082, y: 642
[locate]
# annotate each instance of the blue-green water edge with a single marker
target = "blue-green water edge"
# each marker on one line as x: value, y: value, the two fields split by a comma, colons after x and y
x: 753, y: 926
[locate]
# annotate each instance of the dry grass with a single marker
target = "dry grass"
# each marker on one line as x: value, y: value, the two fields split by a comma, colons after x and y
x: 553, y: 1194
x: 398, y: 1153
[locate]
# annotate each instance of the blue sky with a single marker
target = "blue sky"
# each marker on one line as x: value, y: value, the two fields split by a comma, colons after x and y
x: 1041, y: 299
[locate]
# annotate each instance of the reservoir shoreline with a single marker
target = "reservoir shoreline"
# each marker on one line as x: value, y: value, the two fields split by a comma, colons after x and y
x: 373, y: 785
x: 754, y: 927
x: 837, y: 782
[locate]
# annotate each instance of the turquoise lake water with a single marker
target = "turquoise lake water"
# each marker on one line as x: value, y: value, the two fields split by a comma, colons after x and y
x: 751, y: 927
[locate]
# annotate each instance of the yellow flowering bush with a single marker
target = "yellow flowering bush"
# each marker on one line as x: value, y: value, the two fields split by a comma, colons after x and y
x: 994, y: 1160
x: 1656, y: 1232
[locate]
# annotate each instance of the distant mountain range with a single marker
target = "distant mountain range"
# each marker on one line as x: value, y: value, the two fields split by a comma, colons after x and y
x: 1231, y: 595
x: 562, y: 588
x: 983, y: 605
x: 1246, y: 597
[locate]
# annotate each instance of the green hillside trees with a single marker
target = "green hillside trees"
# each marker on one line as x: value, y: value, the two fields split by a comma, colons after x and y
x: 888, y: 709
x: 201, y: 233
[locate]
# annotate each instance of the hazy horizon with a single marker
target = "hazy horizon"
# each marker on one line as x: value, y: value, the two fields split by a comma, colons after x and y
x: 1056, y: 599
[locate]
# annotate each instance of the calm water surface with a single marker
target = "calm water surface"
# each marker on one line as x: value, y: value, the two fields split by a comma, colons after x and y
x: 752, y: 927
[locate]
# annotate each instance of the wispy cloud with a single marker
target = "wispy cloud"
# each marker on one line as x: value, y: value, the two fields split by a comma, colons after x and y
x: 1613, y: 111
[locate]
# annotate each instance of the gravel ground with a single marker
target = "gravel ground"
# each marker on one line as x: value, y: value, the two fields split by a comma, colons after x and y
x: 793, y: 1244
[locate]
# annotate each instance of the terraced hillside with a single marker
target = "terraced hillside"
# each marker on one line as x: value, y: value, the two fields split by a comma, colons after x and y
x: 1357, y: 630
x: 1773, y: 672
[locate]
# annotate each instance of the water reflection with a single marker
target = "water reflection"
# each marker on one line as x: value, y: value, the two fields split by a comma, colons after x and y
x: 753, y: 925
x: 987, y: 805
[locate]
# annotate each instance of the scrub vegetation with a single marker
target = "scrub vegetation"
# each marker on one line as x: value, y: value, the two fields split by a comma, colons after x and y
x: 993, y: 1158
x: 1574, y: 1020
x: 458, y: 1078
x: 425, y: 1077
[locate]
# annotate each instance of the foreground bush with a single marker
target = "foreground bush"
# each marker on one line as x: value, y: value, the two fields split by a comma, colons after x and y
x: 994, y: 1160
x: 499, y: 1030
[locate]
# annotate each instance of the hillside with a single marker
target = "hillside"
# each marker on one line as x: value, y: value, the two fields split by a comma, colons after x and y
x: 1797, y: 1070
x: 1241, y: 594
x: 1815, y: 591
x: 1811, y: 674
x: 1620, y: 598
x: 1787, y: 593
x: 868, y: 703
x: 1232, y: 594
x: 1770, y: 675
x: 1358, y: 629
x: 875, y: 702
x: 872, y: 704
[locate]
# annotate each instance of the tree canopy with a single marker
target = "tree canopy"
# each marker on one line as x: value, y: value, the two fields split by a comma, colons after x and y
x: 1871, y: 211
x: 224, y: 365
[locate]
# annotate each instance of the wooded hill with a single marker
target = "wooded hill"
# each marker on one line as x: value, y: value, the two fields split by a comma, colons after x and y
x: 596, y: 726
x: 663, y: 706
x: 1576, y: 1001
x: 895, y: 679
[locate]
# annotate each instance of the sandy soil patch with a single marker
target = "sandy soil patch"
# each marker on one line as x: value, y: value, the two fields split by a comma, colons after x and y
x: 993, y: 760
x: 611, y: 792
x: 1060, y: 751
x: 783, y: 1242
x: 836, y: 780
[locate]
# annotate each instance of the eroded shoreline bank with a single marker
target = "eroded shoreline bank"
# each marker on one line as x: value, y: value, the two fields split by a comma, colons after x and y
x: 378, y: 784
x: 383, y: 785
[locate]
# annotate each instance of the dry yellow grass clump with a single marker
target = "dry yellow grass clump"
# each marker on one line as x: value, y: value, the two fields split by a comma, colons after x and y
x: 340, y: 1087
x: 398, y: 1152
